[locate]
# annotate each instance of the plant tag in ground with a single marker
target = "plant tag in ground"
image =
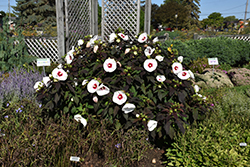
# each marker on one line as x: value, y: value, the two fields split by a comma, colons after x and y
x: 243, y: 144
x: 76, y: 159
x: 213, y: 61
x: 43, y: 62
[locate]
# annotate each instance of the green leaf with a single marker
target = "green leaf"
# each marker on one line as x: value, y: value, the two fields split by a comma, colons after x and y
x: 65, y: 110
x: 76, y: 100
x: 50, y: 105
x: 56, y: 98
x: 116, y: 109
x: 71, y: 88
x: 195, y: 114
x: 143, y: 88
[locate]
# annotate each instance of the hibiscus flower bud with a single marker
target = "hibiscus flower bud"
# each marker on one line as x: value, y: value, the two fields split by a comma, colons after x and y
x: 95, y: 99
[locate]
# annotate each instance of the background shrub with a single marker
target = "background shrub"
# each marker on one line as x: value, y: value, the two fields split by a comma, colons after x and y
x: 228, y: 51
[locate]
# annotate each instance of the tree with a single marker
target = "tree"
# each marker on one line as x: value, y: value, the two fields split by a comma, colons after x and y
x: 166, y: 15
x: 25, y: 11
x: 214, y: 20
x: 192, y: 6
x: 35, y: 11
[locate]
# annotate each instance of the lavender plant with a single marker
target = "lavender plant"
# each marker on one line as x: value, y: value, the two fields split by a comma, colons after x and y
x: 18, y: 85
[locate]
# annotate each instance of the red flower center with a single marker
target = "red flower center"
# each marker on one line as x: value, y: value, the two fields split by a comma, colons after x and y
x: 102, y: 88
x: 109, y: 65
x: 120, y: 96
x: 150, y: 65
x: 94, y: 86
x: 149, y: 51
x: 184, y: 74
x: 123, y: 36
x: 176, y: 67
x: 60, y: 73
x: 70, y: 57
x: 143, y: 38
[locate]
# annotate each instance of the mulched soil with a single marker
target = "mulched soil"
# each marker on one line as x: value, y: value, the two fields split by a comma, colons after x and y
x: 152, y: 158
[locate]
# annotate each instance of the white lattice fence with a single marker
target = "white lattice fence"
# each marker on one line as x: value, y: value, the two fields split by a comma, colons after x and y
x: 239, y: 37
x: 120, y: 13
x: 43, y: 47
x: 79, y: 20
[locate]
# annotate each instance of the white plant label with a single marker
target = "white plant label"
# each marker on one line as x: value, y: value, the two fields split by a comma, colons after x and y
x: 243, y: 144
x: 43, y: 62
x: 76, y: 159
x: 213, y: 61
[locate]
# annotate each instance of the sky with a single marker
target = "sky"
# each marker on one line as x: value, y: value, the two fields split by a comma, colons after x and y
x: 225, y: 7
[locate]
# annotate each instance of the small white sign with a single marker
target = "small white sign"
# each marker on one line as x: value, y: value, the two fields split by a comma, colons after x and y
x: 213, y: 61
x: 72, y: 158
x: 43, y: 62
x: 243, y: 144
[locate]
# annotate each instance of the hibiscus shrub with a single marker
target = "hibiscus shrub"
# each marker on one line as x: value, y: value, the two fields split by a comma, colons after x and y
x: 127, y: 79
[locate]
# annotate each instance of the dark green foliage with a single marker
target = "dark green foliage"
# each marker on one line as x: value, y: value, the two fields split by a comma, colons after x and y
x: 36, y: 11
x: 229, y: 51
x: 13, y: 51
x: 171, y: 103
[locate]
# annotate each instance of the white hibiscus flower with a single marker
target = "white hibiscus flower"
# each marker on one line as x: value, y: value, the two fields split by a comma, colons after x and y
x: 119, y: 97
x: 177, y: 68
x: 183, y: 75
x: 180, y: 59
x: 80, y: 42
x: 102, y: 90
x: 152, y: 125
x: 109, y: 65
x: 128, y: 107
x: 59, y: 74
x: 160, y: 78
x: 84, y: 82
x: 112, y: 37
x: 149, y: 51
x: 78, y: 118
x: 124, y: 37
x: 196, y: 88
x: 38, y: 85
x: 46, y: 81
x: 191, y: 74
x: 69, y: 58
x: 150, y: 65
x: 155, y: 40
x: 143, y: 37
x: 159, y: 58
x: 92, y: 86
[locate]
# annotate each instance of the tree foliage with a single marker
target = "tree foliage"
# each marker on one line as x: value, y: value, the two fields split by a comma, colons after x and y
x: 192, y: 6
x: 166, y: 15
x: 35, y: 11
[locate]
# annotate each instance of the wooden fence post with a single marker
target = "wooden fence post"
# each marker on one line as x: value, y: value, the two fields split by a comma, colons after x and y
x: 94, y: 17
x: 147, y: 17
x: 60, y: 28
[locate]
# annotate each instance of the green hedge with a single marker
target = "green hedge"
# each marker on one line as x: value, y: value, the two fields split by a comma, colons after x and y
x: 229, y: 51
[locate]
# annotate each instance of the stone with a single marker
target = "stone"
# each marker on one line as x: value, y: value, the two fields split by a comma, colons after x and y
x: 210, y: 79
x: 240, y: 76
